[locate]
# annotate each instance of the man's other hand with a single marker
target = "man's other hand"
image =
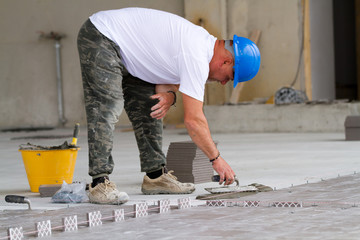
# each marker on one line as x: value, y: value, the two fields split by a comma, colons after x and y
x: 166, y: 99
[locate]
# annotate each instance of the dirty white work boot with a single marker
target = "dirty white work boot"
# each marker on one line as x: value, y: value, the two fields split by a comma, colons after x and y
x: 106, y: 193
x: 166, y: 184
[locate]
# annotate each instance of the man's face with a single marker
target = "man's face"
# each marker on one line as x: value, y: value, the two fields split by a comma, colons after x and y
x: 223, y: 75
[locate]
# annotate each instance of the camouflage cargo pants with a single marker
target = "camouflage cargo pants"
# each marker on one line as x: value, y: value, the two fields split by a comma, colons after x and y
x: 108, y: 87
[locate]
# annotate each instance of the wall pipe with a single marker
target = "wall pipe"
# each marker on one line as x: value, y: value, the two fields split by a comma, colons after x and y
x: 62, y: 119
x: 57, y: 37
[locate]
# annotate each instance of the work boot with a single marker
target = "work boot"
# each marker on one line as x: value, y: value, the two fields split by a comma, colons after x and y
x: 166, y: 184
x: 106, y: 193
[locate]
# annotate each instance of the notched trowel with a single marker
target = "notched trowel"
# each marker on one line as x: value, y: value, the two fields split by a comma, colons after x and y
x: 229, y: 188
x: 232, y: 191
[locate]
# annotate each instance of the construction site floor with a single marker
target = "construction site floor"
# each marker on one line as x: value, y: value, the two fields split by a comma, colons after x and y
x: 314, y: 176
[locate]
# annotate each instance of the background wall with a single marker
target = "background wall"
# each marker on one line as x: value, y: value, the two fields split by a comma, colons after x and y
x: 28, y: 93
x: 280, y: 23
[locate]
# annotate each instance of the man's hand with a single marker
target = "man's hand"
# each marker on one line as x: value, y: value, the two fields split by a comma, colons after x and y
x: 224, y: 170
x: 166, y: 99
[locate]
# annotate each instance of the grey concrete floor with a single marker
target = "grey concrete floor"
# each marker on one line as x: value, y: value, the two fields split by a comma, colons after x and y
x: 285, y: 161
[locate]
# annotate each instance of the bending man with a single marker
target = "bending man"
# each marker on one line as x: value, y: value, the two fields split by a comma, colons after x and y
x: 137, y: 59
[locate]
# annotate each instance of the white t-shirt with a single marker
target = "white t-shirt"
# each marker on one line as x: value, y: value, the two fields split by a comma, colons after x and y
x: 160, y: 47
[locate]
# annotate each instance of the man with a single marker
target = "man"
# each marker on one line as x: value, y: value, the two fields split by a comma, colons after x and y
x: 137, y: 59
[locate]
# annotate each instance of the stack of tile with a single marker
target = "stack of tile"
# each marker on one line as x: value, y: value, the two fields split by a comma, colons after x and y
x: 189, y: 163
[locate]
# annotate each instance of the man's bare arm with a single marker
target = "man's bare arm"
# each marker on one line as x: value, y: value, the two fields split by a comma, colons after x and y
x: 198, y: 129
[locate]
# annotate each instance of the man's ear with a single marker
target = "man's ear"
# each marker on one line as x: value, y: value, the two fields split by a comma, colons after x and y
x: 228, y: 61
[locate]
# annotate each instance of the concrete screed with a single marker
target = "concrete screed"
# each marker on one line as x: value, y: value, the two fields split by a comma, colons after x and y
x: 318, y: 170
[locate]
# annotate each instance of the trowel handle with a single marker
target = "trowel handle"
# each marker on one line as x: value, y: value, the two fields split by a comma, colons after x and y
x: 76, y: 134
x: 15, y: 199
x: 216, y: 178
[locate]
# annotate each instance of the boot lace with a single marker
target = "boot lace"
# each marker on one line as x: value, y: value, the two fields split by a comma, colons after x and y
x: 109, y: 186
x: 169, y: 173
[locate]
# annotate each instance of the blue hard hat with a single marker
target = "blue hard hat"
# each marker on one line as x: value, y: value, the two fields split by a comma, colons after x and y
x: 247, y: 59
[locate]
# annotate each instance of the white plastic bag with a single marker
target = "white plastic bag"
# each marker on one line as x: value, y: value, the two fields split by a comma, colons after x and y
x: 71, y: 193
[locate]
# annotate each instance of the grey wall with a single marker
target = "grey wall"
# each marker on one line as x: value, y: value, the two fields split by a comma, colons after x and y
x: 28, y: 95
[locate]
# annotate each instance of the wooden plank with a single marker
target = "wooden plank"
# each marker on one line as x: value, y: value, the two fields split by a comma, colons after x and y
x: 254, y: 36
x: 307, y: 49
x: 236, y: 93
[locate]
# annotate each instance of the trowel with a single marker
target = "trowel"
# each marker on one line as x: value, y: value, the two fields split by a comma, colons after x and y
x: 232, y: 191
x: 17, y: 199
x: 229, y: 188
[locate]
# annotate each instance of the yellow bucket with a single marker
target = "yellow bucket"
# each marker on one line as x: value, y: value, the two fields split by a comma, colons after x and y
x: 49, y: 166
